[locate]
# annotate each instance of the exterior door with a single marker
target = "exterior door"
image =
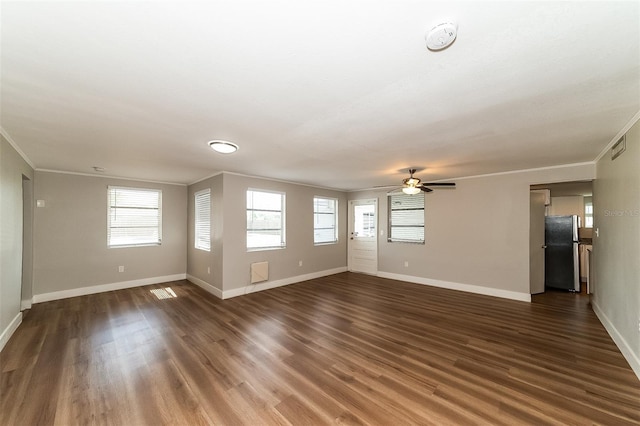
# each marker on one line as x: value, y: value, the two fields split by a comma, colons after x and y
x: 363, y: 236
x: 536, y: 242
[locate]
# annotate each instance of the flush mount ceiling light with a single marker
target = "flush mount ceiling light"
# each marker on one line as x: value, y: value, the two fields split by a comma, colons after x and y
x: 441, y: 36
x: 223, y: 147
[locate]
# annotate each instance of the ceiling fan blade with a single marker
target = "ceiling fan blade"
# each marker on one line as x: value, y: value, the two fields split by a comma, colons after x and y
x: 438, y: 184
x: 425, y: 189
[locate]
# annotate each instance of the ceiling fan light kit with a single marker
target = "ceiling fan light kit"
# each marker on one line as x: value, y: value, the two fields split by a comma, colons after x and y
x: 411, y: 190
x: 413, y: 185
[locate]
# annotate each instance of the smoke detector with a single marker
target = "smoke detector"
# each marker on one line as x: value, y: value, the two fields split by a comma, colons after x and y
x: 441, y: 36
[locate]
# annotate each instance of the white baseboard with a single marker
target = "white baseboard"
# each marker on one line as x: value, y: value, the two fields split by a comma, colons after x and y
x: 11, y: 328
x: 487, y: 291
x: 629, y: 354
x: 26, y: 304
x: 83, y: 291
x: 205, y: 286
x: 279, y: 283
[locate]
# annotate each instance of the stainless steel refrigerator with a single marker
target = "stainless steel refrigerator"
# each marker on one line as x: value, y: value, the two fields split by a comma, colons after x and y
x: 562, y: 264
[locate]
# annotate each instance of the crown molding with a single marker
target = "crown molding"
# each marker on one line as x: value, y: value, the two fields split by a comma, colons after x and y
x: 621, y: 133
x: 15, y: 146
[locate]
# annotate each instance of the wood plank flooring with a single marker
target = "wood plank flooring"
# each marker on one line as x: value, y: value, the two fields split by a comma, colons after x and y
x: 348, y: 349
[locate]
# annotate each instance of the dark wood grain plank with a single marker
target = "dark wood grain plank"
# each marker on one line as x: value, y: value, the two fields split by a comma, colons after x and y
x: 344, y: 349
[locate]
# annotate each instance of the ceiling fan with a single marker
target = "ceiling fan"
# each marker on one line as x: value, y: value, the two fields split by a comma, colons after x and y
x: 413, y: 185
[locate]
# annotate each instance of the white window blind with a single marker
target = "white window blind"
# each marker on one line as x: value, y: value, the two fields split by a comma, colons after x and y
x: 265, y: 220
x: 325, y: 224
x: 134, y: 217
x: 203, y: 219
x: 406, y: 218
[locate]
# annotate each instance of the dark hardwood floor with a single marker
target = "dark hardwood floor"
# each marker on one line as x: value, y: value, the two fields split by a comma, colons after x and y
x: 348, y: 348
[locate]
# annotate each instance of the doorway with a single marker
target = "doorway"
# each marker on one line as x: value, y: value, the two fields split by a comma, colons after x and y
x: 363, y: 236
x: 560, y: 199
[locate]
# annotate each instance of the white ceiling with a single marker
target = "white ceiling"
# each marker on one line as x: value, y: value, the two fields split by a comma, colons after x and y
x: 341, y: 94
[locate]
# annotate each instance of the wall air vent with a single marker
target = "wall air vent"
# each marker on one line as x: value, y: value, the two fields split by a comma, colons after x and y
x: 619, y: 147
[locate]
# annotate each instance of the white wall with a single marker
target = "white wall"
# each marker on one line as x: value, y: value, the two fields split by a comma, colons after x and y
x: 566, y: 206
x: 616, y: 297
x: 477, y: 235
x: 230, y: 260
x: 71, y: 256
x: 205, y: 268
x: 12, y: 169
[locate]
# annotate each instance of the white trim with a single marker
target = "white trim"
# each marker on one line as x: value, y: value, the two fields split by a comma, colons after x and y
x: 205, y: 178
x: 279, y: 283
x: 632, y: 357
x: 101, y: 288
x: 26, y: 304
x: 205, y: 286
x: 621, y: 133
x: 269, y: 179
x: 537, y: 169
x: 13, y: 143
x: 509, y: 172
x: 63, y: 172
x: 11, y: 328
x: 468, y: 288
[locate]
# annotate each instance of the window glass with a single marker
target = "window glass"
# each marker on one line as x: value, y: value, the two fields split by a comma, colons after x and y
x: 406, y: 218
x: 265, y: 220
x: 588, y: 213
x: 134, y: 217
x: 325, y: 229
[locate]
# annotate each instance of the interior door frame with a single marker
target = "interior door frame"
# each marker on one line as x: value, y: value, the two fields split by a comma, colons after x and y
x: 536, y: 242
x: 371, y: 243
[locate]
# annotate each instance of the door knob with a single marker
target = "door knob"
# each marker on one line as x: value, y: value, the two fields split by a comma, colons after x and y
x: 544, y: 246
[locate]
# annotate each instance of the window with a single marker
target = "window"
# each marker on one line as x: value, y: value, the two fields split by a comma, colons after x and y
x: 588, y: 212
x: 364, y: 220
x: 406, y: 218
x: 265, y: 220
x: 134, y: 217
x: 203, y: 220
x: 325, y: 225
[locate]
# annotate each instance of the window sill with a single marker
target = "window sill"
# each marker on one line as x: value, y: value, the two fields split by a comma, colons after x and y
x: 135, y: 245
x: 265, y: 249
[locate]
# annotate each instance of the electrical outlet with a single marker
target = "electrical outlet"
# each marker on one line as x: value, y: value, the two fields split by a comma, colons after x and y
x: 208, y: 269
x: 406, y: 263
x: 120, y: 268
x: 300, y: 263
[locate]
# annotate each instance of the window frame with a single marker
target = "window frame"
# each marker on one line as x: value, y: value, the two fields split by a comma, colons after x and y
x: 390, y: 210
x: 110, y: 191
x: 282, y: 211
x: 335, y: 220
x: 198, y: 223
x: 588, y: 213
